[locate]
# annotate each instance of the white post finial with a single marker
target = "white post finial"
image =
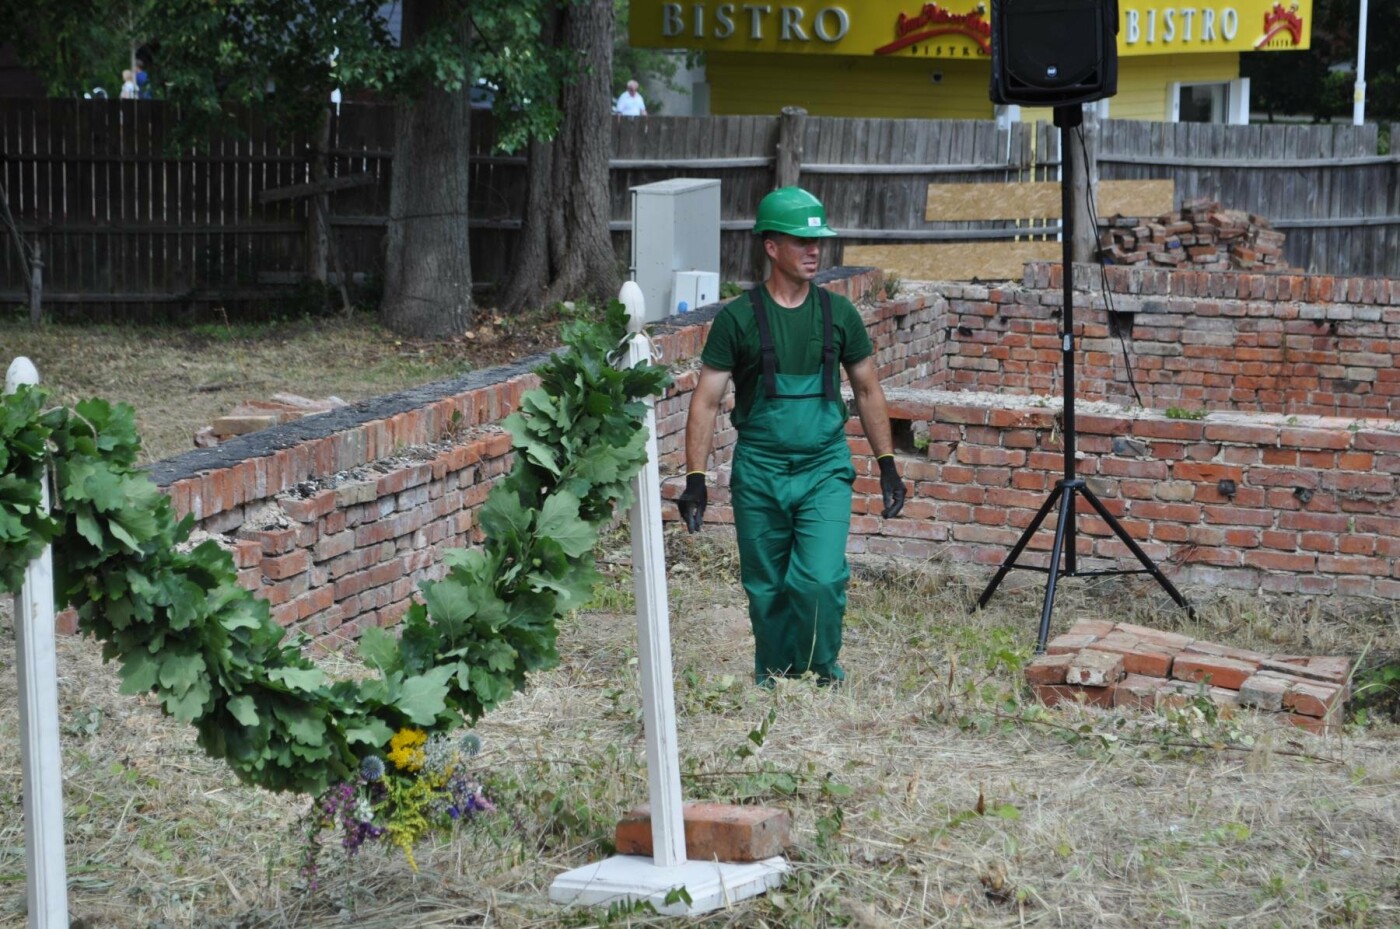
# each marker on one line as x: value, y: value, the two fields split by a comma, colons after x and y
x: 46, y: 878
x: 631, y: 297
x: 22, y: 371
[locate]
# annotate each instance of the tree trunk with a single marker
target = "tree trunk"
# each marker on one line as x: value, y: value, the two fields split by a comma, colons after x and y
x: 318, y: 205
x: 427, y: 273
x: 568, y: 206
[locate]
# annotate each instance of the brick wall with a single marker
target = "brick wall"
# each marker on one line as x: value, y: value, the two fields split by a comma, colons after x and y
x: 1192, y: 339
x: 337, y: 518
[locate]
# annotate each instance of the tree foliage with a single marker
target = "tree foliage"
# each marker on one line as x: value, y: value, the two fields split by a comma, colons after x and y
x: 1318, y: 82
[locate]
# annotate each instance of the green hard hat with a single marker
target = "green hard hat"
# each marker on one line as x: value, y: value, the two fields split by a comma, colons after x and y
x: 793, y: 211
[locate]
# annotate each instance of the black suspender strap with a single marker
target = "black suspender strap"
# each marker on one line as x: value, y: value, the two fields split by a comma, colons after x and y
x: 828, y: 347
x: 768, y: 355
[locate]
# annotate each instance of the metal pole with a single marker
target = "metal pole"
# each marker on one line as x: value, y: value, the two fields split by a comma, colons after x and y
x: 1358, y: 105
x: 46, y: 877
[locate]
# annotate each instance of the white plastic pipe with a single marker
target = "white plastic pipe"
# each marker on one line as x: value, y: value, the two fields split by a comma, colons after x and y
x: 46, y: 873
x: 1358, y: 105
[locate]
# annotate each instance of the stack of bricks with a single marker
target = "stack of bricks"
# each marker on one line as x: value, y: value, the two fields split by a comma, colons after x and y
x: 1108, y: 665
x: 253, y: 415
x: 1200, y: 236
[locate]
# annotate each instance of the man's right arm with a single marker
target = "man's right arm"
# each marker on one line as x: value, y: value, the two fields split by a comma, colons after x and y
x: 705, y: 402
x: 699, y: 440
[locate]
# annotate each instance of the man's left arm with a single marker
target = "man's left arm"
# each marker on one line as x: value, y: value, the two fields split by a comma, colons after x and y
x: 875, y: 420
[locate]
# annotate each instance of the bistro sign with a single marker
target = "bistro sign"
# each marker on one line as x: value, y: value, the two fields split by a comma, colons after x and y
x: 956, y: 28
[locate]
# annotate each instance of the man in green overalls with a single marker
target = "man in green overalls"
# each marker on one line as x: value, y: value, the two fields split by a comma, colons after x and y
x: 790, y: 483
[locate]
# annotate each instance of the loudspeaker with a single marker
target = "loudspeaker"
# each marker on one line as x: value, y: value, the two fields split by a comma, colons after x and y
x: 1054, y: 52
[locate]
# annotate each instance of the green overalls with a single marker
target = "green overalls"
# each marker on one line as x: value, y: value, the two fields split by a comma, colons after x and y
x: 791, y: 491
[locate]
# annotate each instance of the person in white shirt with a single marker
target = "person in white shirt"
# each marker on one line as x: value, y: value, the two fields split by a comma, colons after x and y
x: 631, y: 102
x: 129, y: 89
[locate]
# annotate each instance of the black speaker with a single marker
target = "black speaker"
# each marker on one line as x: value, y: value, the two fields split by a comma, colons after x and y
x: 1054, y: 52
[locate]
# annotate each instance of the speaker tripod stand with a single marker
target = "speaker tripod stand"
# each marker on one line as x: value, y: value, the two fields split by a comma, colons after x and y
x: 1064, y: 561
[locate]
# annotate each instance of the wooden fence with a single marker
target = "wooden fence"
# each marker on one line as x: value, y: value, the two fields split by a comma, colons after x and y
x: 130, y: 227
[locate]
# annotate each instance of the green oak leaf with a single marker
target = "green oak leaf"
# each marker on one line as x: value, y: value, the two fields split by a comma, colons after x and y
x: 424, y: 696
x: 378, y: 648
x: 559, y: 521
x: 298, y: 678
x: 180, y: 672
x: 502, y: 517
x: 139, y: 672
x: 244, y: 709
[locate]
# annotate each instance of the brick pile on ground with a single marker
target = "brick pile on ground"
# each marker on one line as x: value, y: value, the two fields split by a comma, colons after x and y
x: 1201, y: 236
x: 252, y: 415
x: 1108, y: 664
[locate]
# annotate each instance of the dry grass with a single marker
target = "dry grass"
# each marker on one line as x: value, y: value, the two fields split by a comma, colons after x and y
x: 1088, y: 819
x: 181, y: 379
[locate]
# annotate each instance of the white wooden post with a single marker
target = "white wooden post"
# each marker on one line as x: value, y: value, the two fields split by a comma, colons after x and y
x: 708, y: 884
x: 654, y: 623
x: 46, y: 875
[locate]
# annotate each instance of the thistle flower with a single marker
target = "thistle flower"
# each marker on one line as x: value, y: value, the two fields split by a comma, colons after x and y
x: 372, y: 768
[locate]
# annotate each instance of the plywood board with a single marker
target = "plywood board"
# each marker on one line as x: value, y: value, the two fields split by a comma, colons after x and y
x: 1041, y: 200
x: 952, y: 261
x: 1136, y: 198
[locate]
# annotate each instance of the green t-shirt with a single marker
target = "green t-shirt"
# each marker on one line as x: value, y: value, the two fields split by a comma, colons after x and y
x: 797, y: 341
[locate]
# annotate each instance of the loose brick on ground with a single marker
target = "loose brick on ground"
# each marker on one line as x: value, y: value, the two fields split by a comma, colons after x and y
x: 1067, y: 643
x: 1049, y: 669
x: 1055, y: 694
x: 1312, y: 699
x: 714, y: 832
x: 1092, y: 668
x: 1263, y: 693
x: 1138, y: 691
x: 1221, y: 672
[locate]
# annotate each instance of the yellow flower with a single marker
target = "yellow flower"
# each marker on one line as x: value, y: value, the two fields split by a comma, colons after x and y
x: 406, y: 749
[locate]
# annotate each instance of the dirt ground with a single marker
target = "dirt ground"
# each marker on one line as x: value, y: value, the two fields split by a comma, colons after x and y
x: 929, y: 791
x: 181, y: 379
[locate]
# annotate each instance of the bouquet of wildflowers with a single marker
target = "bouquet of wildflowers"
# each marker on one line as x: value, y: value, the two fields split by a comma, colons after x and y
x: 423, y: 786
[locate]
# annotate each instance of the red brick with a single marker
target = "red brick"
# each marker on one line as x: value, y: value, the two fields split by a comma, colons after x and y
x: 1094, y: 668
x: 1227, y: 651
x: 1307, y: 723
x: 1068, y: 643
x: 714, y: 832
x: 1223, y: 672
x: 1183, y: 430
x: 1049, y: 669
x: 1055, y: 694
x: 308, y: 509
x: 1263, y: 692
x: 1324, y: 670
x: 1138, y: 691
x: 1313, y: 699
x: 1206, y: 472
x: 1157, y: 638
x: 284, y: 566
x: 1095, y: 627
x: 246, y: 553
x: 272, y: 541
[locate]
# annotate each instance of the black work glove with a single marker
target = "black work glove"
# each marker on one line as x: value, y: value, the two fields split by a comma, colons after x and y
x: 891, y: 487
x: 692, y: 503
